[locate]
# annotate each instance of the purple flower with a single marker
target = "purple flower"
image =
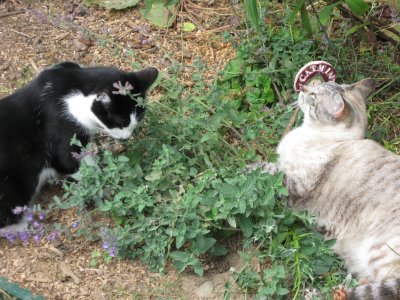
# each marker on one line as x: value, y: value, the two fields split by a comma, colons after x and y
x: 52, y: 236
x: 110, y: 243
x: 42, y: 216
x: 37, y: 225
x: 24, y: 236
x: 113, y: 251
x: 29, y: 216
x: 105, y: 245
x: 75, y: 224
x: 38, y: 236
x: 11, y: 236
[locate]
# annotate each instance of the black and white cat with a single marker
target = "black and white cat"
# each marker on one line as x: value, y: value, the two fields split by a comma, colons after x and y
x: 38, y: 121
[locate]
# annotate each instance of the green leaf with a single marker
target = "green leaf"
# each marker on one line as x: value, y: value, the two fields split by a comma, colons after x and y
x: 306, y: 20
x: 154, y: 176
x: 123, y: 158
x: 354, y: 29
x: 180, y: 240
x: 359, y: 7
x: 252, y: 13
x: 232, y: 221
x: 15, y: 291
x: 180, y: 256
x: 282, y: 291
x: 119, y: 4
x: 219, y: 250
x: 295, y: 11
x: 202, y: 244
x: 188, y: 27
x: 326, y: 12
x: 113, y: 4
x: 160, y: 13
x: 233, y: 68
x: 246, y: 226
x: 197, y: 268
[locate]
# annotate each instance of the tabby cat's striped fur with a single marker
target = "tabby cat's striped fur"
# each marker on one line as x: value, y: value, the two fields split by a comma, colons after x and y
x: 350, y: 183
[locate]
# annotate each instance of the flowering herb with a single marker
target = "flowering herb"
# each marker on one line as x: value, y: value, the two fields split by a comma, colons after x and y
x: 52, y: 236
x: 122, y: 90
x: 35, y: 228
x: 110, y: 243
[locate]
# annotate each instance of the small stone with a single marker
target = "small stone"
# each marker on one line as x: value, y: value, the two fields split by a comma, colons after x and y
x: 206, y: 289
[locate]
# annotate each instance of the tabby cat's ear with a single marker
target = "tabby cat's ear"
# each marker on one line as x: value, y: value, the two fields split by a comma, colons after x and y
x: 145, y: 78
x: 365, y: 87
x: 339, y: 107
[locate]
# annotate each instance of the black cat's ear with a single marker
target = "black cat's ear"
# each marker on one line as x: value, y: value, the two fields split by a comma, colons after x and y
x: 145, y: 78
x: 365, y: 87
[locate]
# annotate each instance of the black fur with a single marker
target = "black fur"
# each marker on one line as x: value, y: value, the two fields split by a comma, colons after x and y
x: 36, y: 130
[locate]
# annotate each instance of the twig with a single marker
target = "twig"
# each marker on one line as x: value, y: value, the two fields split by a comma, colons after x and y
x: 12, y: 13
x: 278, y: 94
x: 212, y: 10
x: 18, y: 32
x: 34, y: 66
x: 291, y: 121
x: 211, y: 31
x: 192, y: 18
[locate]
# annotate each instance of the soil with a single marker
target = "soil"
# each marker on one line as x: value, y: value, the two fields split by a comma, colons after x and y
x: 37, y: 34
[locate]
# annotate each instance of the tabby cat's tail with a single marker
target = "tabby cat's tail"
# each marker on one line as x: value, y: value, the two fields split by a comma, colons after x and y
x: 385, y: 290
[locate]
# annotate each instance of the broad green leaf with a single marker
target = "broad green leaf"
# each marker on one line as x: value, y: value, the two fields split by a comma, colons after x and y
x: 233, y: 68
x: 202, y: 244
x: 326, y: 12
x: 188, y: 27
x: 359, y: 7
x: 282, y: 291
x: 219, y: 250
x: 160, y: 13
x: 232, y: 221
x: 180, y: 256
x: 246, y: 226
x: 197, y: 268
x: 15, y: 291
x: 153, y: 176
x: 180, y: 240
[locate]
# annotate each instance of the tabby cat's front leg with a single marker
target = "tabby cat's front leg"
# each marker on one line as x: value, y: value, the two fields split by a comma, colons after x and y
x: 266, y: 167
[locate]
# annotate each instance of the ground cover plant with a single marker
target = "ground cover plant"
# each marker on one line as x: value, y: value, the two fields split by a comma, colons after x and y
x: 177, y: 192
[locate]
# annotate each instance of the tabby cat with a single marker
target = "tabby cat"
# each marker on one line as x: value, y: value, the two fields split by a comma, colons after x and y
x: 350, y: 183
x: 38, y: 121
